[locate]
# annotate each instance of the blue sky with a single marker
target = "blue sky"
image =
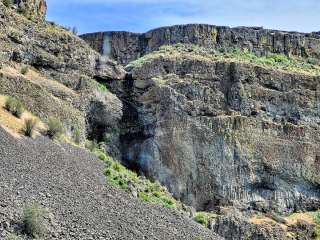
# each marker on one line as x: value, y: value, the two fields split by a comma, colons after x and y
x: 143, y: 15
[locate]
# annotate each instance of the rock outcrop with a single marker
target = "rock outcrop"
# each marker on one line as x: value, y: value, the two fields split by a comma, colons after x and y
x: 35, y: 10
x: 223, y: 133
x: 62, y: 71
x: 125, y: 46
x: 235, y: 226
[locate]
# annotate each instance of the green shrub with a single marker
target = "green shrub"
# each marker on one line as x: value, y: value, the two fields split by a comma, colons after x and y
x: 55, y: 128
x: 29, y: 127
x: 77, y: 136
x: 24, y: 70
x: 91, y: 145
x: 8, y: 3
x: 202, y: 218
x: 34, y: 221
x: 12, y: 236
x: 101, y: 87
x: 14, y: 106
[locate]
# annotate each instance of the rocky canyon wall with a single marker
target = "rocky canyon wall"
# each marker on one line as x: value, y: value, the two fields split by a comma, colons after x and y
x: 220, y: 134
x: 125, y: 46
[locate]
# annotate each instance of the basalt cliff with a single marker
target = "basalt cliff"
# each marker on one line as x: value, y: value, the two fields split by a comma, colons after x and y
x: 227, y: 120
x: 220, y: 132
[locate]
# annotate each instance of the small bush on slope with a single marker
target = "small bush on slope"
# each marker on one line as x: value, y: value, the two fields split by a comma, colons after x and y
x: 24, y: 70
x: 34, y: 221
x: 55, y: 128
x: 91, y: 145
x: 77, y: 136
x: 29, y: 127
x: 14, y: 106
x: 204, y: 218
x: 101, y: 87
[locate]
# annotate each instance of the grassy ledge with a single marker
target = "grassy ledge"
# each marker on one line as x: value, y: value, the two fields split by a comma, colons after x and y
x: 274, y: 61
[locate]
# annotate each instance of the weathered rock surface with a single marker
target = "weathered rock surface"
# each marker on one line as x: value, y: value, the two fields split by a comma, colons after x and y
x: 235, y: 226
x: 70, y: 184
x: 221, y: 133
x: 34, y: 9
x: 57, y: 56
x: 125, y: 46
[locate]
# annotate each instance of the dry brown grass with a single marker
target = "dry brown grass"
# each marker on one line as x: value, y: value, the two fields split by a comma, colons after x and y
x: 261, y: 219
x: 13, y: 124
x: 290, y: 220
x: 294, y: 218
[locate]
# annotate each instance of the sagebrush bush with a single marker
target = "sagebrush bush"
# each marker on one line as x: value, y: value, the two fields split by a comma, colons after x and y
x: 24, y: 70
x: 55, y: 128
x: 30, y: 126
x: 14, y: 106
x: 34, y: 221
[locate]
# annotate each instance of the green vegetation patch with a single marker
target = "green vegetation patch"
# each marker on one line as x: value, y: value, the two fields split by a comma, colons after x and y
x: 275, y: 61
x: 29, y: 127
x: 14, y: 106
x: 119, y: 176
x: 55, y: 128
x: 144, y: 189
x: 204, y: 218
x: 34, y: 221
x: 101, y: 87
